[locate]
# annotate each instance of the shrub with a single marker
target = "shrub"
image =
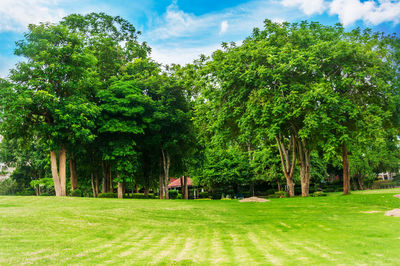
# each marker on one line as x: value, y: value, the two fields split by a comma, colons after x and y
x: 270, y: 191
x: 26, y: 192
x: 142, y: 196
x: 318, y: 194
x: 45, y: 194
x: 203, y: 195
x: 279, y: 194
x: 108, y: 195
x: 76, y: 193
x: 382, y: 184
x: 173, y: 194
x: 216, y: 195
x: 179, y: 196
x: 8, y: 186
x: 282, y: 194
x: 246, y: 194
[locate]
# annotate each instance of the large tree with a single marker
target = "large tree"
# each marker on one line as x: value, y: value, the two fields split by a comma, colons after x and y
x: 51, y: 86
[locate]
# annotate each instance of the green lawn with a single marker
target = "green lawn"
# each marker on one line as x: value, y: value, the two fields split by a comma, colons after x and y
x: 326, y: 230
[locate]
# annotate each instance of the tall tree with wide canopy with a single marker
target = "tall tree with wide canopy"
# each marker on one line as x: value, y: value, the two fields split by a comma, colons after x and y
x: 51, y: 88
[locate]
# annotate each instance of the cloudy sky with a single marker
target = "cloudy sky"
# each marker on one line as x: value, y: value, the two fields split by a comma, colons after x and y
x: 180, y: 30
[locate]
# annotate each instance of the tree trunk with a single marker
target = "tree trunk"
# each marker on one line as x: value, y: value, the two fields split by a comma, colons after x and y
x: 288, y: 160
x: 305, y: 167
x: 110, y: 179
x: 93, y: 186
x: 54, y: 173
x: 182, y: 187
x: 96, y: 184
x: 58, y: 173
x: 166, y: 165
x: 290, y: 185
x: 279, y: 186
x: 103, y: 185
x: 346, y: 170
x: 104, y: 178
x: 186, y: 195
x: 62, y: 167
x: 360, y: 182
x: 74, y: 177
x: 120, y: 190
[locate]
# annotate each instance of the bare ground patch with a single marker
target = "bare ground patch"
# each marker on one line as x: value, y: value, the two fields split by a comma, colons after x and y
x: 394, y: 213
x: 253, y: 199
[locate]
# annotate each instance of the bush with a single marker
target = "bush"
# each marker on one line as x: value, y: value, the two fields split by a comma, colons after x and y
x: 279, y: 194
x: 45, y: 194
x: 179, y: 196
x: 216, y: 195
x: 246, y: 194
x: 8, y: 186
x: 203, y: 195
x: 383, y: 184
x: 108, y: 195
x: 318, y: 194
x: 26, y: 192
x: 270, y: 191
x: 141, y: 196
x: 76, y: 193
x: 173, y: 194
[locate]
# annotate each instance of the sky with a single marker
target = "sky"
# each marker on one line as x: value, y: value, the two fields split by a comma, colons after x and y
x: 178, y: 31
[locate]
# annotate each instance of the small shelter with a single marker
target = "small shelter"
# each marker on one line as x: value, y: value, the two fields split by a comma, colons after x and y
x: 176, y: 183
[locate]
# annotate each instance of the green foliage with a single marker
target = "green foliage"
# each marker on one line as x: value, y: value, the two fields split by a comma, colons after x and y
x: 318, y: 194
x: 216, y: 195
x: 108, y: 195
x: 224, y: 167
x: 279, y: 194
x: 384, y: 184
x: 140, y: 196
x: 173, y: 194
x: 8, y: 186
x: 76, y: 193
x: 203, y: 195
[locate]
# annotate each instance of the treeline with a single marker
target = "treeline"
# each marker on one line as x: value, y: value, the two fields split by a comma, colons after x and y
x: 290, y: 105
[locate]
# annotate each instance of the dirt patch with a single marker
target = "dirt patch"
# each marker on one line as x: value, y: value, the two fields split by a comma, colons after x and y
x: 253, y: 199
x: 395, y: 213
x: 397, y: 196
x: 371, y: 211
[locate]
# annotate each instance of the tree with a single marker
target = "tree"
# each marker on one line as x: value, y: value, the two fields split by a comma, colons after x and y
x: 124, y: 117
x: 51, y: 86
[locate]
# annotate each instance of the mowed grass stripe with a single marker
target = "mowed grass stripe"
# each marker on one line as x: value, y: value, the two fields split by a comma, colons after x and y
x: 298, y: 231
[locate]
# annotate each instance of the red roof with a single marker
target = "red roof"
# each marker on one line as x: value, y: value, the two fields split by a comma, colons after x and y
x: 176, y: 182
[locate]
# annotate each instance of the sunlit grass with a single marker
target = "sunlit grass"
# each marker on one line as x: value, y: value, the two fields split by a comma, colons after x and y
x: 325, y: 230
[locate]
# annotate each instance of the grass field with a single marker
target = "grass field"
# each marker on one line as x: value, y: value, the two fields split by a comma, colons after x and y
x: 326, y: 230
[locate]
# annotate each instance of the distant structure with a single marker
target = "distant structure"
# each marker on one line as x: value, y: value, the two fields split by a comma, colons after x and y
x: 386, y: 176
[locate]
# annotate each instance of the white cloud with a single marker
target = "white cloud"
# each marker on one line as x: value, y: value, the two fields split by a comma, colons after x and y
x: 309, y: 7
x: 180, y: 37
x: 349, y: 11
x: 17, y: 14
x: 224, y: 27
x: 175, y: 23
x: 6, y: 63
x: 180, y: 55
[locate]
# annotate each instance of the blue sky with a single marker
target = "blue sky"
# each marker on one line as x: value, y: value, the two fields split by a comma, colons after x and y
x: 180, y: 30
